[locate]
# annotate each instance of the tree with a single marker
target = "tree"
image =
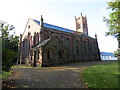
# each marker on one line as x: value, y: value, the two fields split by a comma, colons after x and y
x: 113, y: 22
x: 9, y: 45
x: 117, y: 53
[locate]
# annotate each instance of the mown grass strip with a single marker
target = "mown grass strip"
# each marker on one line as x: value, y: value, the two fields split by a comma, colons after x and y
x: 102, y: 76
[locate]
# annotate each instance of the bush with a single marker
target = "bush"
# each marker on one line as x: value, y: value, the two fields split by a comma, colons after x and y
x: 8, y: 55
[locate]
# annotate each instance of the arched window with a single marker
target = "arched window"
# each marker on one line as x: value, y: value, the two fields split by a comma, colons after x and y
x: 78, y: 25
x: 60, y: 54
x: 31, y: 41
x: 67, y: 42
x: 64, y: 43
x: 84, y: 25
x: 48, y: 54
x: 91, y: 48
x: 76, y: 47
x: 34, y: 39
x: 85, y: 47
x: 38, y: 37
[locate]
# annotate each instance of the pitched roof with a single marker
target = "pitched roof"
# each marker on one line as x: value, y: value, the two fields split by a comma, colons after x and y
x: 42, y: 43
x: 55, y: 27
x: 107, y: 54
x: 60, y: 28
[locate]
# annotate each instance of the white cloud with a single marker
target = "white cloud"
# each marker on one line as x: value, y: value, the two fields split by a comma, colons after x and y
x: 106, y: 43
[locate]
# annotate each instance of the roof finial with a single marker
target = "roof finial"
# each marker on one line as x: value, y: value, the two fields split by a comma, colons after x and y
x: 41, y: 17
x: 81, y: 14
x: 95, y: 36
x: 41, y: 21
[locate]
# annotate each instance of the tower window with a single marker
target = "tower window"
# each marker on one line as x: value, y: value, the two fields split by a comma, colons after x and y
x: 28, y: 26
x: 84, y: 26
x: 78, y: 26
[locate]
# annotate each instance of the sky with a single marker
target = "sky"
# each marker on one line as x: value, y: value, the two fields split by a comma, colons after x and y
x: 61, y: 13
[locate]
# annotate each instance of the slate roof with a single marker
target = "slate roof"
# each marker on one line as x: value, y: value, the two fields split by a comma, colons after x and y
x: 54, y: 27
x: 42, y: 43
x: 60, y: 28
x: 107, y: 54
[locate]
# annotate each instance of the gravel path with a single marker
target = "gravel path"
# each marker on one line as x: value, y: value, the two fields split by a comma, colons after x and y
x: 65, y: 76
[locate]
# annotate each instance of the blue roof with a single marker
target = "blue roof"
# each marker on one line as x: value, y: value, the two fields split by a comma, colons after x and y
x: 55, y: 27
x: 107, y: 54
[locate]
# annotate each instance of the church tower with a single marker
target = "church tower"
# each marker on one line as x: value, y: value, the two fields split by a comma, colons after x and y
x: 81, y: 24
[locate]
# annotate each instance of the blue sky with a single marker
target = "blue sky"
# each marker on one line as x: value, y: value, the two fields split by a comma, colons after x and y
x: 60, y: 13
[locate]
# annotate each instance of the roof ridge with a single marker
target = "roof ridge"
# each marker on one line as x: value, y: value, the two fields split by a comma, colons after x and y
x: 55, y: 26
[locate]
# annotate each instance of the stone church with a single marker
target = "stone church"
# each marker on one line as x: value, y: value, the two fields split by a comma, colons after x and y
x: 43, y: 44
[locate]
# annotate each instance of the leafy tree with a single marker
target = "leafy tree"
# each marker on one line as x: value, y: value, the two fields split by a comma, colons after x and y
x: 113, y: 22
x: 9, y: 45
x: 8, y: 55
x: 117, y: 53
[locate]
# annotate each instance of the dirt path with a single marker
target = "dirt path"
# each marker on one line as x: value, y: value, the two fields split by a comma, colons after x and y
x: 65, y: 76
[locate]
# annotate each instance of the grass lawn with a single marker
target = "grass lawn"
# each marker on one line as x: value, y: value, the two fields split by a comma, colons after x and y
x: 5, y: 75
x: 102, y: 76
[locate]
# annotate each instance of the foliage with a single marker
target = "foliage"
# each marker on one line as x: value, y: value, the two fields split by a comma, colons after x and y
x: 7, y: 60
x: 113, y: 22
x: 102, y: 76
x: 5, y: 75
x: 117, y: 53
x: 9, y: 45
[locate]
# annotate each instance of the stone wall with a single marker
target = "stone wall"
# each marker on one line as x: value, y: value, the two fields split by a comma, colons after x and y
x: 78, y: 47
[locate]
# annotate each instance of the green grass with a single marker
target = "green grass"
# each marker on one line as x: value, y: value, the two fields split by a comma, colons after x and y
x: 102, y: 76
x: 5, y: 75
